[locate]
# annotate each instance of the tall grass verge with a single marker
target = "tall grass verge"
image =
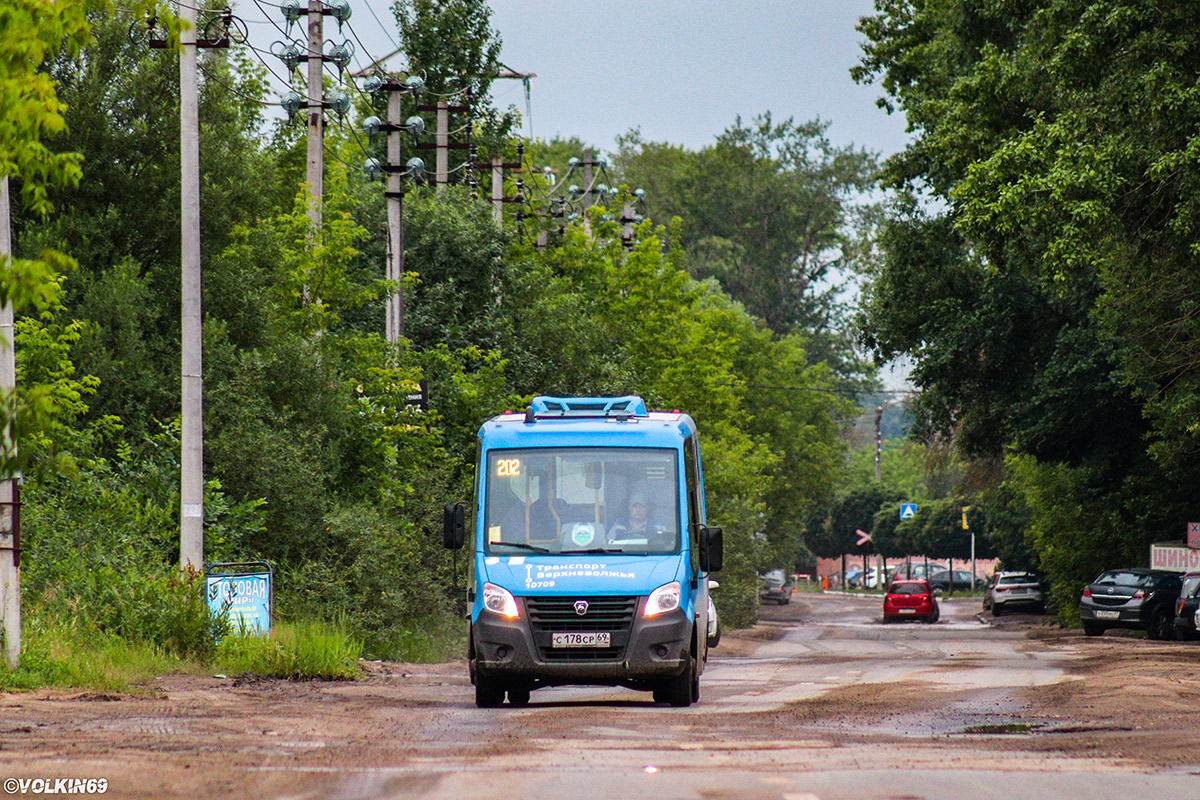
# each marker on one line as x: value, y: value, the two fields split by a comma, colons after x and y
x: 299, y: 651
x: 59, y: 656
x: 435, y: 639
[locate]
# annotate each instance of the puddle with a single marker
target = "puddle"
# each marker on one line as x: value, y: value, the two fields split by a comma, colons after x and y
x: 1005, y: 728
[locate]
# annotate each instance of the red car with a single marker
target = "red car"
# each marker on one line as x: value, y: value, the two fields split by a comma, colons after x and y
x: 910, y: 599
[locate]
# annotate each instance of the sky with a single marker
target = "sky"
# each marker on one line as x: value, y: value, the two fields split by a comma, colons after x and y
x: 680, y: 70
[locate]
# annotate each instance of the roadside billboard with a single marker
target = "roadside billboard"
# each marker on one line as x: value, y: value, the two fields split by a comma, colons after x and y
x: 244, y: 592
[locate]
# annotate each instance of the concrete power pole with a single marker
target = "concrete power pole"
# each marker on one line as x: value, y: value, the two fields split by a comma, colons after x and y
x: 441, y: 162
x: 588, y: 163
x: 395, y: 217
x: 191, y: 490
x: 10, y: 520
x: 498, y: 191
x: 316, y: 114
x: 879, y: 444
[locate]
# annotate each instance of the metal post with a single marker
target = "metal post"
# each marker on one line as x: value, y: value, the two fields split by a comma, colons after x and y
x: 498, y: 191
x: 10, y: 554
x: 316, y: 115
x: 973, y: 573
x: 442, y: 159
x: 191, y: 489
x: 395, y: 219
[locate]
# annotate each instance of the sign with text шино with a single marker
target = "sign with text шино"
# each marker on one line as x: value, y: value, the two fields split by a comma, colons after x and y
x: 1174, y: 557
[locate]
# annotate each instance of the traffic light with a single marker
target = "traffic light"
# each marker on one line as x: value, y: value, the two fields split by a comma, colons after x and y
x: 966, y: 526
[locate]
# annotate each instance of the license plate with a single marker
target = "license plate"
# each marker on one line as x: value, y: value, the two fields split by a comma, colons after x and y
x: 1108, y: 615
x: 908, y: 611
x: 580, y: 639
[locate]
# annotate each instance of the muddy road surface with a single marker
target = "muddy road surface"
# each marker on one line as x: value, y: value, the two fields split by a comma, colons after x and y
x: 820, y: 701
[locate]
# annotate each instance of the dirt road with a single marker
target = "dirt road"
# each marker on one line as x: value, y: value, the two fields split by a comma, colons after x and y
x: 819, y: 702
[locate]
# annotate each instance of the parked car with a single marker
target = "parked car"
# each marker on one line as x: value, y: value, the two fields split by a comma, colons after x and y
x: 1186, y: 607
x: 963, y: 580
x: 1141, y: 599
x: 1009, y: 591
x: 910, y: 599
x: 919, y: 571
x: 776, y: 587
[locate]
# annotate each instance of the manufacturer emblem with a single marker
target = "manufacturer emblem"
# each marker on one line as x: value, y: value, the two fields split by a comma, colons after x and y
x: 581, y: 607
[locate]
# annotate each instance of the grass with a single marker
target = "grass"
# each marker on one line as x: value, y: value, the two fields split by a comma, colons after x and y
x: 435, y: 641
x: 299, y: 651
x: 62, y: 657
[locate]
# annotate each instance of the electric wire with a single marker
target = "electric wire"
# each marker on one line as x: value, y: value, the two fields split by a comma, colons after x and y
x: 379, y: 22
x: 258, y: 54
x: 236, y: 91
x: 365, y: 51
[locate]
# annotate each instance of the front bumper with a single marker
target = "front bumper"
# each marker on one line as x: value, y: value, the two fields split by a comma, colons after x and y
x: 656, y: 647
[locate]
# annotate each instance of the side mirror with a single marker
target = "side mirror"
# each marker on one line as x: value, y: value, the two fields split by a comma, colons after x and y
x: 454, y: 526
x: 712, y: 549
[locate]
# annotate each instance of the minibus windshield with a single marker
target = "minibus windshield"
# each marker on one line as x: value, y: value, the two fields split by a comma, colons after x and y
x: 582, y: 500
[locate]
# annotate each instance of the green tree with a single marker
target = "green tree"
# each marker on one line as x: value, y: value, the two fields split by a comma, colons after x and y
x: 770, y: 211
x: 1046, y: 301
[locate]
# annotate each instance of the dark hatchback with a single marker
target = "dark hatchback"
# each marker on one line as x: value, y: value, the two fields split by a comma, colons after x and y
x: 1141, y: 599
x: 1185, y: 608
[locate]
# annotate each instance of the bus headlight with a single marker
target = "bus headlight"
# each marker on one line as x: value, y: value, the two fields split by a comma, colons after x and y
x: 500, y: 601
x: 663, y: 599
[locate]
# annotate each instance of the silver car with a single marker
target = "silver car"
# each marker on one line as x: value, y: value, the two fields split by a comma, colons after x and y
x: 1008, y: 591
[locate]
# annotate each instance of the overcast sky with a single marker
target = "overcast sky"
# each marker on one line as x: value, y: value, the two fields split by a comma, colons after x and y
x: 681, y: 70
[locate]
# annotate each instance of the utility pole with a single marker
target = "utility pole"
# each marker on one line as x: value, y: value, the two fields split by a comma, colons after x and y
x: 588, y: 162
x: 441, y: 166
x: 498, y: 191
x: 10, y: 515
x: 498, y: 166
x: 191, y: 489
x: 395, y: 216
x: 879, y: 444
x: 316, y: 114
x: 393, y: 191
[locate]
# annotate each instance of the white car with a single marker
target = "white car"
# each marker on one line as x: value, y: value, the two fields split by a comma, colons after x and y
x: 714, y: 624
x: 1007, y: 591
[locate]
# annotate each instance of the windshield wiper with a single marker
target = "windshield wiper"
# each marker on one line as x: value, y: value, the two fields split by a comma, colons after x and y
x: 591, y: 551
x: 522, y: 546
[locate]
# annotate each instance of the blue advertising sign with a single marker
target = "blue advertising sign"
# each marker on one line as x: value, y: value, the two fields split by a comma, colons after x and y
x: 246, y: 597
x: 908, y: 510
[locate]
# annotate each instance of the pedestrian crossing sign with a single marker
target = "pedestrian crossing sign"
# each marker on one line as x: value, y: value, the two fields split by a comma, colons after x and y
x: 908, y: 510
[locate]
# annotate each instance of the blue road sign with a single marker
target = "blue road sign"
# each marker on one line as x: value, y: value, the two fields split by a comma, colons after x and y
x: 908, y: 510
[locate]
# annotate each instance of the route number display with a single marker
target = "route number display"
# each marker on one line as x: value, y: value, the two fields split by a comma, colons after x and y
x: 508, y: 468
